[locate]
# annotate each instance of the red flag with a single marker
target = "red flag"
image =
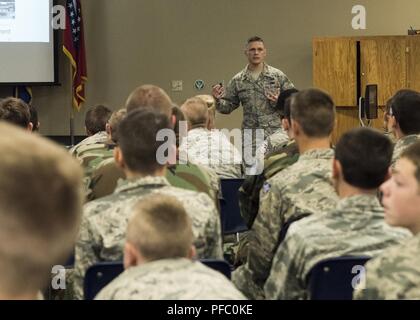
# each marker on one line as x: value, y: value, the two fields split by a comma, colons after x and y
x: 74, y: 49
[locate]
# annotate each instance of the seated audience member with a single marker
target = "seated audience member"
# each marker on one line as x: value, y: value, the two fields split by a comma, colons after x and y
x: 158, y: 257
x: 208, y: 148
x: 301, y: 189
x: 104, y: 222
x: 395, y: 273
x: 95, y: 124
x: 17, y: 112
x: 279, y: 158
x: 99, y: 154
x: 355, y: 227
x: 189, y: 176
x: 40, y: 211
x: 404, y: 120
x: 211, y: 107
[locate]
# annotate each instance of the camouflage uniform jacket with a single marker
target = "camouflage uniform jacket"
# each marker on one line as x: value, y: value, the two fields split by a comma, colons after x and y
x: 303, y: 188
x: 356, y: 227
x: 211, y: 149
x: 104, y: 223
x: 170, y: 279
x: 259, y: 112
x: 273, y: 142
x: 249, y: 192
x: 403, y: 144
x: 100, y: 137
x: 394, y: 274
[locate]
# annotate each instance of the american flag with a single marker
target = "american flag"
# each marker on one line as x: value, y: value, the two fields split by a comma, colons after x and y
x: 74, y: 49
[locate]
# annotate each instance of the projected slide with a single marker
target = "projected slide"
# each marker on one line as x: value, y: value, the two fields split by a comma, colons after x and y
x: 25, y: 20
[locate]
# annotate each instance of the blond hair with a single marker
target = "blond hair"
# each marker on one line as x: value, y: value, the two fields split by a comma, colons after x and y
x: 195, y: 110
x: 150, y: 96
x: 40, y: 209
x: 160, y: 228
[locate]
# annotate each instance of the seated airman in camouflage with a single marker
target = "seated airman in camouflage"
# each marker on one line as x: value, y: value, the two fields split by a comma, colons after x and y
x: 95, y: 125
x: 210, y: 148
x: 355, y: 227
x: 104, y: 222
x: 16, y: 112
x: 40, y: 211
x: 185, y: 176
x: 395, y: 273
x: 97, y: 154
x: 302, y: 189
x: 404, y: 120
x: 158, y: 257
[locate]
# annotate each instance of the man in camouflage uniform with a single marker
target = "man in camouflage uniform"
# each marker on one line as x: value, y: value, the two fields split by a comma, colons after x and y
x: 256, y: 88
x: 157, y: 258
x: 279, y: 156
x: 185, y: 176
x: 355, y: 227
x: 301, y: 189
x: 104, y: 223
x: 210, y: 148
x: 395, y: 273
x: 95, y: 124
x: 404, y: 120
x: 91, y: 156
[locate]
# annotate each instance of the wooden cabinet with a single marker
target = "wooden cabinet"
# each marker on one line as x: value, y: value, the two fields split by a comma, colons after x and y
x: 344, y: 66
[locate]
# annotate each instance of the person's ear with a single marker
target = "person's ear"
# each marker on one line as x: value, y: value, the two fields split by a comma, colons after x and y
x: 130, y: 256
x: 118, y: 157
x: 392, y: 122
x: 30, y: 126
x: 108, y: 129
x: 296, y: 129
x: 336, y: 169
x: 192, y: 252
x: 173, y: 121
x: 285, y: 124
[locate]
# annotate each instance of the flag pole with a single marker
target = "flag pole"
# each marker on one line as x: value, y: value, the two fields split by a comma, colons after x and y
x: 71, y: 108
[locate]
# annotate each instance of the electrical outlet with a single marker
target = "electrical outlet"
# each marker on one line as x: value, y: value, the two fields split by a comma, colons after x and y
x: 177, y: 85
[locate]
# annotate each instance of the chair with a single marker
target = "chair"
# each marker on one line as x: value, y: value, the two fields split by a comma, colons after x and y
x: 100, y: 275
x: 219, y: 265
x: 331, y: 279
x: 232, y: 221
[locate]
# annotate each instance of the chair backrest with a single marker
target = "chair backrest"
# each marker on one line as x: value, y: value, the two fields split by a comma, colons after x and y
x: 219, y: 265
x: 100, y: 275
x: 335, y: 278
x: 232, y: 221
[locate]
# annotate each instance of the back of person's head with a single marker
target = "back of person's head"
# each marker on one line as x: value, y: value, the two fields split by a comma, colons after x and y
x: 149, y: 96
x: 405, y: 107
x: 160, y: 228
x: 15, y: 111
x: 114, y: 121
x: 179, y: 116
x: 34, y: 117
x: 365, y: 156
x: 40, y: 209
x: 195, y: 110
x: 314, y: 111
x: 211, y: 107
x: 96, y: 119
x: 283, y: 97
x: 137, y: 139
